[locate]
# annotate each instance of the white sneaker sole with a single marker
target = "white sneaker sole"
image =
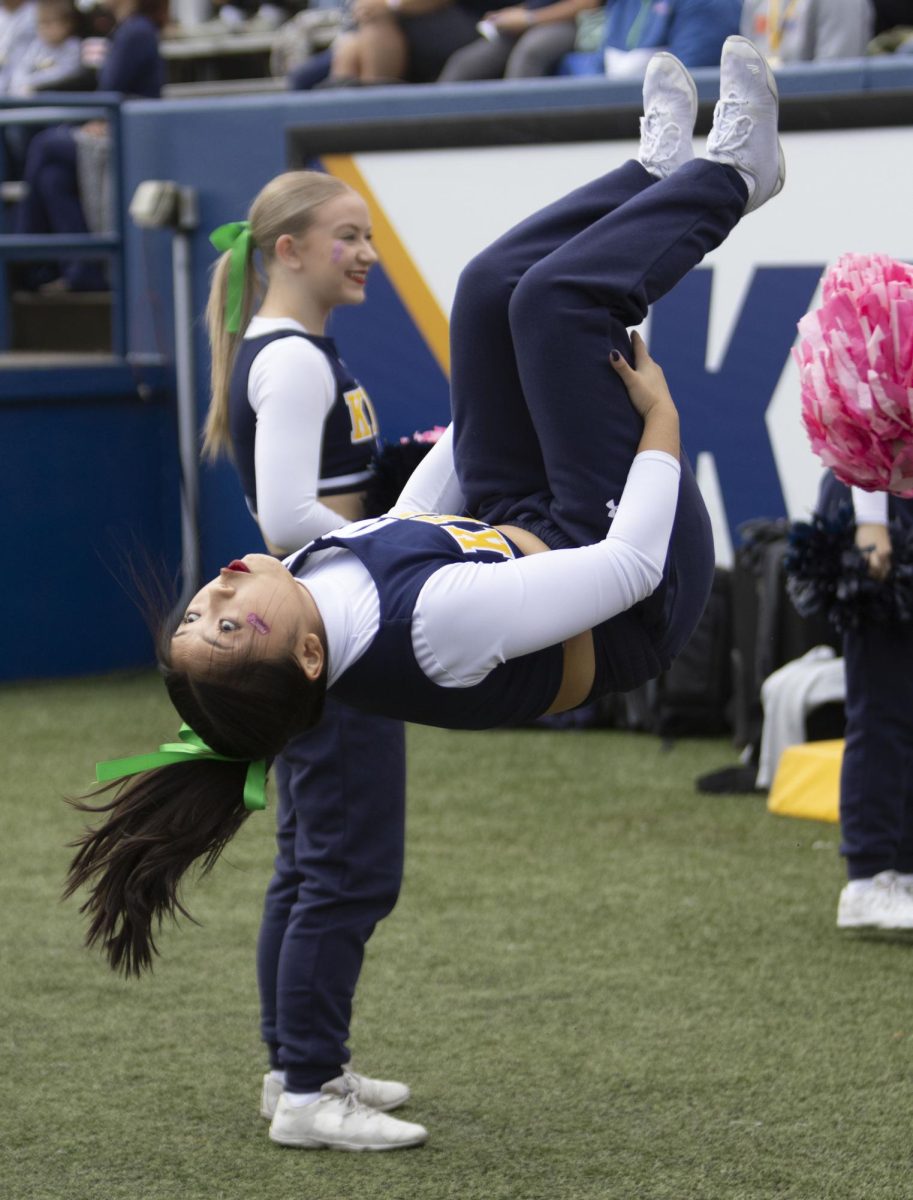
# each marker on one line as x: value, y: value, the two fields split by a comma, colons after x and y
x: 854, y: 924
x: 317, y: 1144
x: 683, y: 73
x: 775, y: 92
x: 877, y: 926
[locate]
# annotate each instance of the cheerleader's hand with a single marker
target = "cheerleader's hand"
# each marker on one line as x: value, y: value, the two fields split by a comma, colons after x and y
x: 651, y: 397
x: 875, y: 543
x: 645, y: 381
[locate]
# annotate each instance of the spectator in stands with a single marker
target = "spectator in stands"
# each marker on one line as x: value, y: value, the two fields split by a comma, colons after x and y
x: 808, y: 30
x: 522, y: 41
x: 53, y: 55
x: 692, y: 30
x: 18, y: 27
x: 132, y: 66
x: 404, y: 40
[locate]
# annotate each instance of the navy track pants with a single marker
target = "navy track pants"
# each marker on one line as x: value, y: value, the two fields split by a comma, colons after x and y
x: 544, y: 439
x: 338, y: 871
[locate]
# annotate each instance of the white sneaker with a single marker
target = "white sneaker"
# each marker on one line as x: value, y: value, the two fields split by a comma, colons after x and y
x: 381, y: 1094
x: 744, y: 132
x: 887, y: 904
x: 341, y: 1123
x: 670, y: 110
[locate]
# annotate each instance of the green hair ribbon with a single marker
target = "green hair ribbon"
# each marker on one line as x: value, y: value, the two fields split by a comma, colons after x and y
x: 234, y: 238
x: 191, y: 748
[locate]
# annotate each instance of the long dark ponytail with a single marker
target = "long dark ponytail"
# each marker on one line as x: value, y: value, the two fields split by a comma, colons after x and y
x: 159, y: 823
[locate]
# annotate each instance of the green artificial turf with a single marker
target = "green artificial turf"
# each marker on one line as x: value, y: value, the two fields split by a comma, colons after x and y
x: 599, y: 984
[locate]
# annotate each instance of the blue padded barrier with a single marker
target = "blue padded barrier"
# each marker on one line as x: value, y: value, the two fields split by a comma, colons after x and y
x: 888, y: 71
x: 834, y: 77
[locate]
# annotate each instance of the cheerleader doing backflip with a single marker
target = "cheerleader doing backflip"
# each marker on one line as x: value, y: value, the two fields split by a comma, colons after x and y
x: 552, y: 546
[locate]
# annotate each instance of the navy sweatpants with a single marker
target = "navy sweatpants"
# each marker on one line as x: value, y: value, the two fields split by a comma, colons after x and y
x: 338, y: 871
x: 545, y: 438
x: 876, y: 780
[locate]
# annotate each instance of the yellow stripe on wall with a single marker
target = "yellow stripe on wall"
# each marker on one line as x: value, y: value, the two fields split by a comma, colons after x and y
x: 402, y: 271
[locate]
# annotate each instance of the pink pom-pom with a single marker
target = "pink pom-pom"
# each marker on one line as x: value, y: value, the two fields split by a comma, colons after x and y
x: 427, y: 437
x: 855, y: 360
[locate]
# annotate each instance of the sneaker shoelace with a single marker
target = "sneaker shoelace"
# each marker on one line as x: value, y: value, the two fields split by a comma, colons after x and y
x: 731, y: 126
x: 352, y: 1107
x: 660, y: 137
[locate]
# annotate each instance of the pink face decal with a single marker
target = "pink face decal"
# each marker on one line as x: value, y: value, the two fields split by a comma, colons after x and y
x: 258, y: 623
x: 337, y: 252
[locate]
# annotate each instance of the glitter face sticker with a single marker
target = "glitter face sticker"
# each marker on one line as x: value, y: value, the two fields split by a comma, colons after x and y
x: 257, y: 623
x: 337, y: 252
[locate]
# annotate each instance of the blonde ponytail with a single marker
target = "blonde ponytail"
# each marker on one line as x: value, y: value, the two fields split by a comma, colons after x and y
x: 223, y: 346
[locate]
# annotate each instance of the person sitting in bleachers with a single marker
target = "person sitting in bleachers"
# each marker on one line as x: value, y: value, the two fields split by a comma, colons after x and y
x: 808, y: 30
x: 692, y: 30
x: 53, y: 55
x: 18, y: 26
x: 404, y: 40
x: 523, y: 41
x: 53, y: 202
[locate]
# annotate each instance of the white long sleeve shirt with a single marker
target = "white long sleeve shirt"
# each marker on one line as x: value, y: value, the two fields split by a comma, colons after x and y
x: 291, y: 389
x: 470, y: 617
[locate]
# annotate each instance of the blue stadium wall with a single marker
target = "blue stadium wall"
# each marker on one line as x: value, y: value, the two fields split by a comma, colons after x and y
x: 92, y: 480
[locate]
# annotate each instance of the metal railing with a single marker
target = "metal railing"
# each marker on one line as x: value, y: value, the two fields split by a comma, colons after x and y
x: 70, y: 108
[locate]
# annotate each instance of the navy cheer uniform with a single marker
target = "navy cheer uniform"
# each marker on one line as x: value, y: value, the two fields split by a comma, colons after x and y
x: 350, y: 434
x: 401, y: 555
x: 341, y: 789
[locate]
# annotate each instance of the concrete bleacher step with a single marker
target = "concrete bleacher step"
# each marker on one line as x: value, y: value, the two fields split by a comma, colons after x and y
x: 62, y: 322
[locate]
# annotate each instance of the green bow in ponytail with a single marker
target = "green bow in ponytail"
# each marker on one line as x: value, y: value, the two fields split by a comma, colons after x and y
x: 235, y: 238
x: 191, y: 748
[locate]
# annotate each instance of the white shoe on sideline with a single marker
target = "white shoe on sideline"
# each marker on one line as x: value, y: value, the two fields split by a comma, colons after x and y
x: 886, y: 904
x: 381, y: 1094
x: 670, y: 110
x: 341, y: 1123
x: 744, y: 132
